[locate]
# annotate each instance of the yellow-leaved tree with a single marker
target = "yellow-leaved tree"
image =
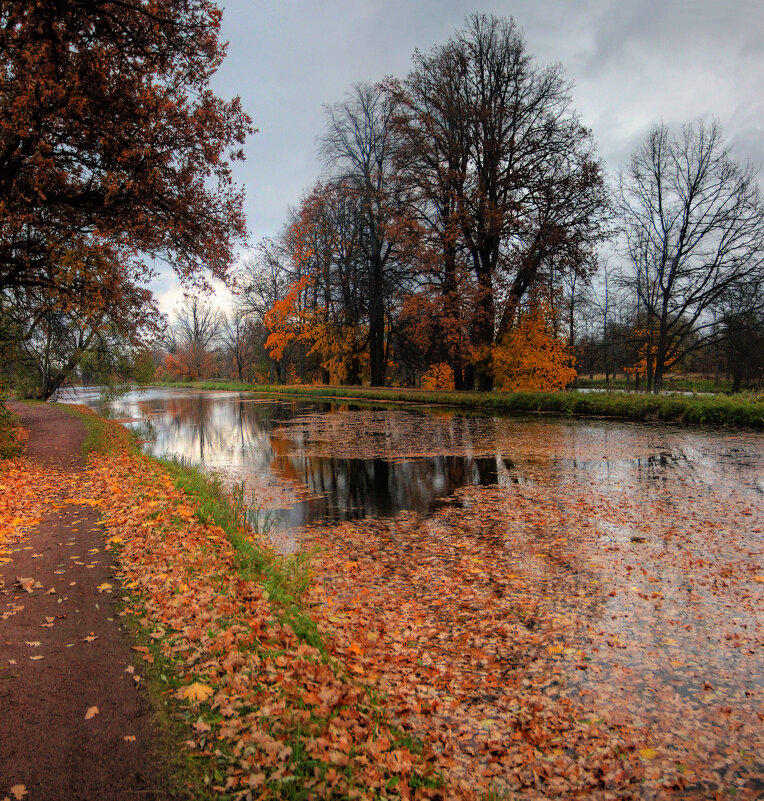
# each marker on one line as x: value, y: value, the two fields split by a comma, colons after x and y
x: 439, y: 376
x: 531, y: 357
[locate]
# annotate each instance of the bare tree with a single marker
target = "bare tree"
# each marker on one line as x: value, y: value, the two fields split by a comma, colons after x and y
x: 693, y: 223
x: 358, y: 147
x: 263, y: 278
x: 193, y: 338
x: 239, y: 342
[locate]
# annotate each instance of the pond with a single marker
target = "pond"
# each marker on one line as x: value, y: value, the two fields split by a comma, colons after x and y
x: 313, y: 460
x: 608, y: 576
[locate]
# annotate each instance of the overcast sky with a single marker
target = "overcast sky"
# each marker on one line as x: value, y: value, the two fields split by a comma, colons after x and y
x: 632, y: 63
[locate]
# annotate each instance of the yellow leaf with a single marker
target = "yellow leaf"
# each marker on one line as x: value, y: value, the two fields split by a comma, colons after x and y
x: 91, y: 713
x: 103, y: 587
x: 197, y: 692
x: 648, y: 753
x: 18, y: 791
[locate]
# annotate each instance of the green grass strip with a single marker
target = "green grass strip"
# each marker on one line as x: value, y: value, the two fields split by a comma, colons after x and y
x: 717, y: 410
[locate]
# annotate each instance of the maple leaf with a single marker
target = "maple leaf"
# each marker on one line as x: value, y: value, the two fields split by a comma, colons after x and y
x: 196, y: 692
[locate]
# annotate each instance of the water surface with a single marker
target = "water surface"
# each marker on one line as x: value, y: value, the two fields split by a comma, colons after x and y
x: 315, y: 460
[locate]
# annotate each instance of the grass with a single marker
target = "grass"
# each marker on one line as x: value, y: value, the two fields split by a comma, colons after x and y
x: 11, y: 441
x: 669, y: 385
x: 284, y: 578
x: 745, y: 411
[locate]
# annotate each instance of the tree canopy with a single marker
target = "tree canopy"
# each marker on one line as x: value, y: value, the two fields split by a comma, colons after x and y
x: 112, y: 140
x: 115, y: 153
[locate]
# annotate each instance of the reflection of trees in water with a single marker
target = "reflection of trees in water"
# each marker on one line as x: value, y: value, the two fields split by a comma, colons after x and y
x: 201, y: 428
x: 355, y: 488
x: 237, y: 433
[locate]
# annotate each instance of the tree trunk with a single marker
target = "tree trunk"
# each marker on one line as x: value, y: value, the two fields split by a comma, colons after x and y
x: 484, y: 324
x: 737, y: 377
x: 376, y: 324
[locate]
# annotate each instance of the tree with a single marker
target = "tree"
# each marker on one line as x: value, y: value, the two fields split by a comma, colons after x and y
x: 693, y: 225
x: 261, y: 281
x: 358, y: 146
x: 325, y: 242
x: 192, y: 340
x: 239, y: 341
x: 505, y: 158
x: 432, y: 159
x: 47, y: 336
x: 531, y: 356
x: 741, y: 331
x: 111, y: 141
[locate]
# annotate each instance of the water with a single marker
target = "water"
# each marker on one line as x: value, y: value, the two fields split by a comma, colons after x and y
x: 326, y: 461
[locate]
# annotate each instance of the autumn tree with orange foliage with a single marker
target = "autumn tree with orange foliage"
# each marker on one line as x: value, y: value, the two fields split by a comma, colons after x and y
x: 531, y: 356
x: 322, y: 320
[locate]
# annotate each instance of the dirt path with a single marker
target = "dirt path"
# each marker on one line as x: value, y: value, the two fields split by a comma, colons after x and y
x: 62, y: 651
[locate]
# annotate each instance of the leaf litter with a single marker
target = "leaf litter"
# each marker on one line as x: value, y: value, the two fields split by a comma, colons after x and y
x: 564, y: 637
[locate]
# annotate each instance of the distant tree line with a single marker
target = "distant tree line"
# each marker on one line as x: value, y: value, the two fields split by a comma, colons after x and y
x: 463, y: 235
x: 462, y: 232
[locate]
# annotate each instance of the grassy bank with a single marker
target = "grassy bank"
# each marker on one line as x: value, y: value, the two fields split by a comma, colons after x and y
x: 719, y: 410
x: 257, y: 698
x: 11, y: 435
x: 669, y: 384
